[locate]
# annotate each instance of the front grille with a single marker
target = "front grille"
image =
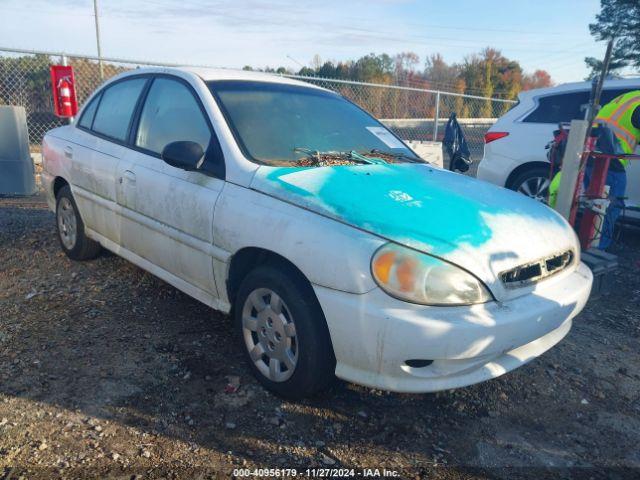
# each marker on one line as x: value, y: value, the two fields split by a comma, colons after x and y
x: 535, y: 271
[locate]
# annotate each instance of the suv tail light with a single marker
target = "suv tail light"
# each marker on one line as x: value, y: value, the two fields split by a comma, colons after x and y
x: 491, y: 136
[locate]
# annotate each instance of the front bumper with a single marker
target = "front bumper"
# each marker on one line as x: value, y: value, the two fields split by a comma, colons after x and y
x: 374, y: 334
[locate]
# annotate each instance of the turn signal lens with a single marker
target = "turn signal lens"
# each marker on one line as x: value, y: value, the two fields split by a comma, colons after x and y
x: 419, y: 278
x: 382, y: 267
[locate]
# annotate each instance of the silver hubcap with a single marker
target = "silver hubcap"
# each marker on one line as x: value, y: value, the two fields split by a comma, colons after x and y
x: 67, y: 225
x: 270, y: 334
x: 535, y: 187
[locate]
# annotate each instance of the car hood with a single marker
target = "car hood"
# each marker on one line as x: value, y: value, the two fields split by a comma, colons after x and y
x: 480, y: 227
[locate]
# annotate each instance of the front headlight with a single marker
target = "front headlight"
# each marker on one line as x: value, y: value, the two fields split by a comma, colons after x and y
x: 419, y: 278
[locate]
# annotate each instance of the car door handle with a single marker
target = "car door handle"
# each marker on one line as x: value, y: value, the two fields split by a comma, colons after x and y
x: 68, y: 152
x: 129, y: 176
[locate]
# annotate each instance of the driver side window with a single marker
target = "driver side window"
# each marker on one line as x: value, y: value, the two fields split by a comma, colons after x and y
x: 171, y: 114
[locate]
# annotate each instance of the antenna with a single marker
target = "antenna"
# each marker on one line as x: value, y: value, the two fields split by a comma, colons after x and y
x: 296, y: 61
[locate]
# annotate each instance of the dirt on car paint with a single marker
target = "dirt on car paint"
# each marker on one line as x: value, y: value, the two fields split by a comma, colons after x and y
x: 106, y: 371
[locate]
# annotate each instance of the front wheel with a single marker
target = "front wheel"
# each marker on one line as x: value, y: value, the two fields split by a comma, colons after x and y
x: 533, y: 182
x: 283, y: 332
x: 75, y: 244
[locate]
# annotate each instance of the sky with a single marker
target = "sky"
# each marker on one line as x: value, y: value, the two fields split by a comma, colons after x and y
x: 543, y: 34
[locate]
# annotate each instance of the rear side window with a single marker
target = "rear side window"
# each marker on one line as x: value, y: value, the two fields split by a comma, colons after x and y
x: 610, y: 94
x: 89, y: 113
x: 559, y: 108
x: 170, y: 114
x: 569, y: 106
x: 116, y: 108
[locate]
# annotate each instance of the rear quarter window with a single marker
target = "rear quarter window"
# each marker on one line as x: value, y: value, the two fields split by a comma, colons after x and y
x: 558, y: 108
x: 87, y: 116
x: 610, y: 94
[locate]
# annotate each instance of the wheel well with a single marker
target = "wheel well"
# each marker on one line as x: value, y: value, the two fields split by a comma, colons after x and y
x: 246, y: 259
x: 521, y: 168
x: 58, y: 183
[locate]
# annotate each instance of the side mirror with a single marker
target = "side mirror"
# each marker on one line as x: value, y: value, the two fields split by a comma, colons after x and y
x: 185, y: 155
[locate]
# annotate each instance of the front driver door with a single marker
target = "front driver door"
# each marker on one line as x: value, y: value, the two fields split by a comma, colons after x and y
x: 171, y: 209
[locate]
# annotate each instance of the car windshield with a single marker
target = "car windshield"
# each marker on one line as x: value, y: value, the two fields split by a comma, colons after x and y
x: 279, y: 124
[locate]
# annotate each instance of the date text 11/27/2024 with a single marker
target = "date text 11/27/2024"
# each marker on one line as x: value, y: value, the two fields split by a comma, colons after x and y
x: 315, y: 472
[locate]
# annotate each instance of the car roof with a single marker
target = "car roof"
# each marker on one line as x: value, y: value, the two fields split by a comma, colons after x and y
x: 209, y: 74
x: 623, y: 83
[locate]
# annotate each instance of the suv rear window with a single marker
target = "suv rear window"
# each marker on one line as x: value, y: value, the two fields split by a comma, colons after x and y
x: 564, y: 107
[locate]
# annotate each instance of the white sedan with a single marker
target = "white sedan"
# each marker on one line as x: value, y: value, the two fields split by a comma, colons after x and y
x: 336, y: 249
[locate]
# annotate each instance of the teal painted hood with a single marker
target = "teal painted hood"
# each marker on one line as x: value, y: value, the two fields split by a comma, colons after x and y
x: 481, y: 227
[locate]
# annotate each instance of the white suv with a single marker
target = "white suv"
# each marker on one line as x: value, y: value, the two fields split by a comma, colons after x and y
x: 336, y: 249
x: 514, y: 151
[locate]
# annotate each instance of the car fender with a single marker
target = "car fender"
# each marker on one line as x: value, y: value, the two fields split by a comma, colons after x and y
x: 55, y: 164
x: 329, y: 253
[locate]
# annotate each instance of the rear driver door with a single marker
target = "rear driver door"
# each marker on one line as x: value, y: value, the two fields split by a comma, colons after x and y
x: 99, y: 145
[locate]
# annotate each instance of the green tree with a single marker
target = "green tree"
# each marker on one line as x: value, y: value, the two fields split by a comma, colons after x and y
x: 307, y: 72
x: 619, y: 19
x: 460, y: 107
x: 491, y: 73
x: 327, y: 70
x: 374, y: 68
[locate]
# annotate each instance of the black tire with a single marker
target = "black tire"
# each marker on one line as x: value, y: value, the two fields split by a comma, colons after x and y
x: 315, y: 364
x: 528, y: 175
x: 82, y: 247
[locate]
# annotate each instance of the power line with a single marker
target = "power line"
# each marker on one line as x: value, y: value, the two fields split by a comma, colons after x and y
x: 45, y: 11
x: 372, y: 31
x: 423, y: 26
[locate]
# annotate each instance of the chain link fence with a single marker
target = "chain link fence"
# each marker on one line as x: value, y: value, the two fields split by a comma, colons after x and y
x: 414, y: 114
x: 25, y: 81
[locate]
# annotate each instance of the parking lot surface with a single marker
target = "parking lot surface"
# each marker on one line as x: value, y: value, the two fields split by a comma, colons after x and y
x: 106, y: 370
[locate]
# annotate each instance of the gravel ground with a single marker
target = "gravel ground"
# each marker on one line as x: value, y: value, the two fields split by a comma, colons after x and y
x: 107, y: 371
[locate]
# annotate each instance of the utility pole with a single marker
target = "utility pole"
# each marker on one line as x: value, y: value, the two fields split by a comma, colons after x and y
x: 95, y: 14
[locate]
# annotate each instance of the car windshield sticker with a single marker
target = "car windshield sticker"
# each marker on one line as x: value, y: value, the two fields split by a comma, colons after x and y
x: 386, y: 136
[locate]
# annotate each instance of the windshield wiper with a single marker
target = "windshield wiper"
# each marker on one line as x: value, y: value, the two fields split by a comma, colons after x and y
x: 371, y: 160
x: 395, y: 155
x: 352, y: 155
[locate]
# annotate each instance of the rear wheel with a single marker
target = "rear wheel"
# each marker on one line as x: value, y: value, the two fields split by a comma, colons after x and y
x: 71, y: 234
x: 283, y: 332
x: 533, y: 182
